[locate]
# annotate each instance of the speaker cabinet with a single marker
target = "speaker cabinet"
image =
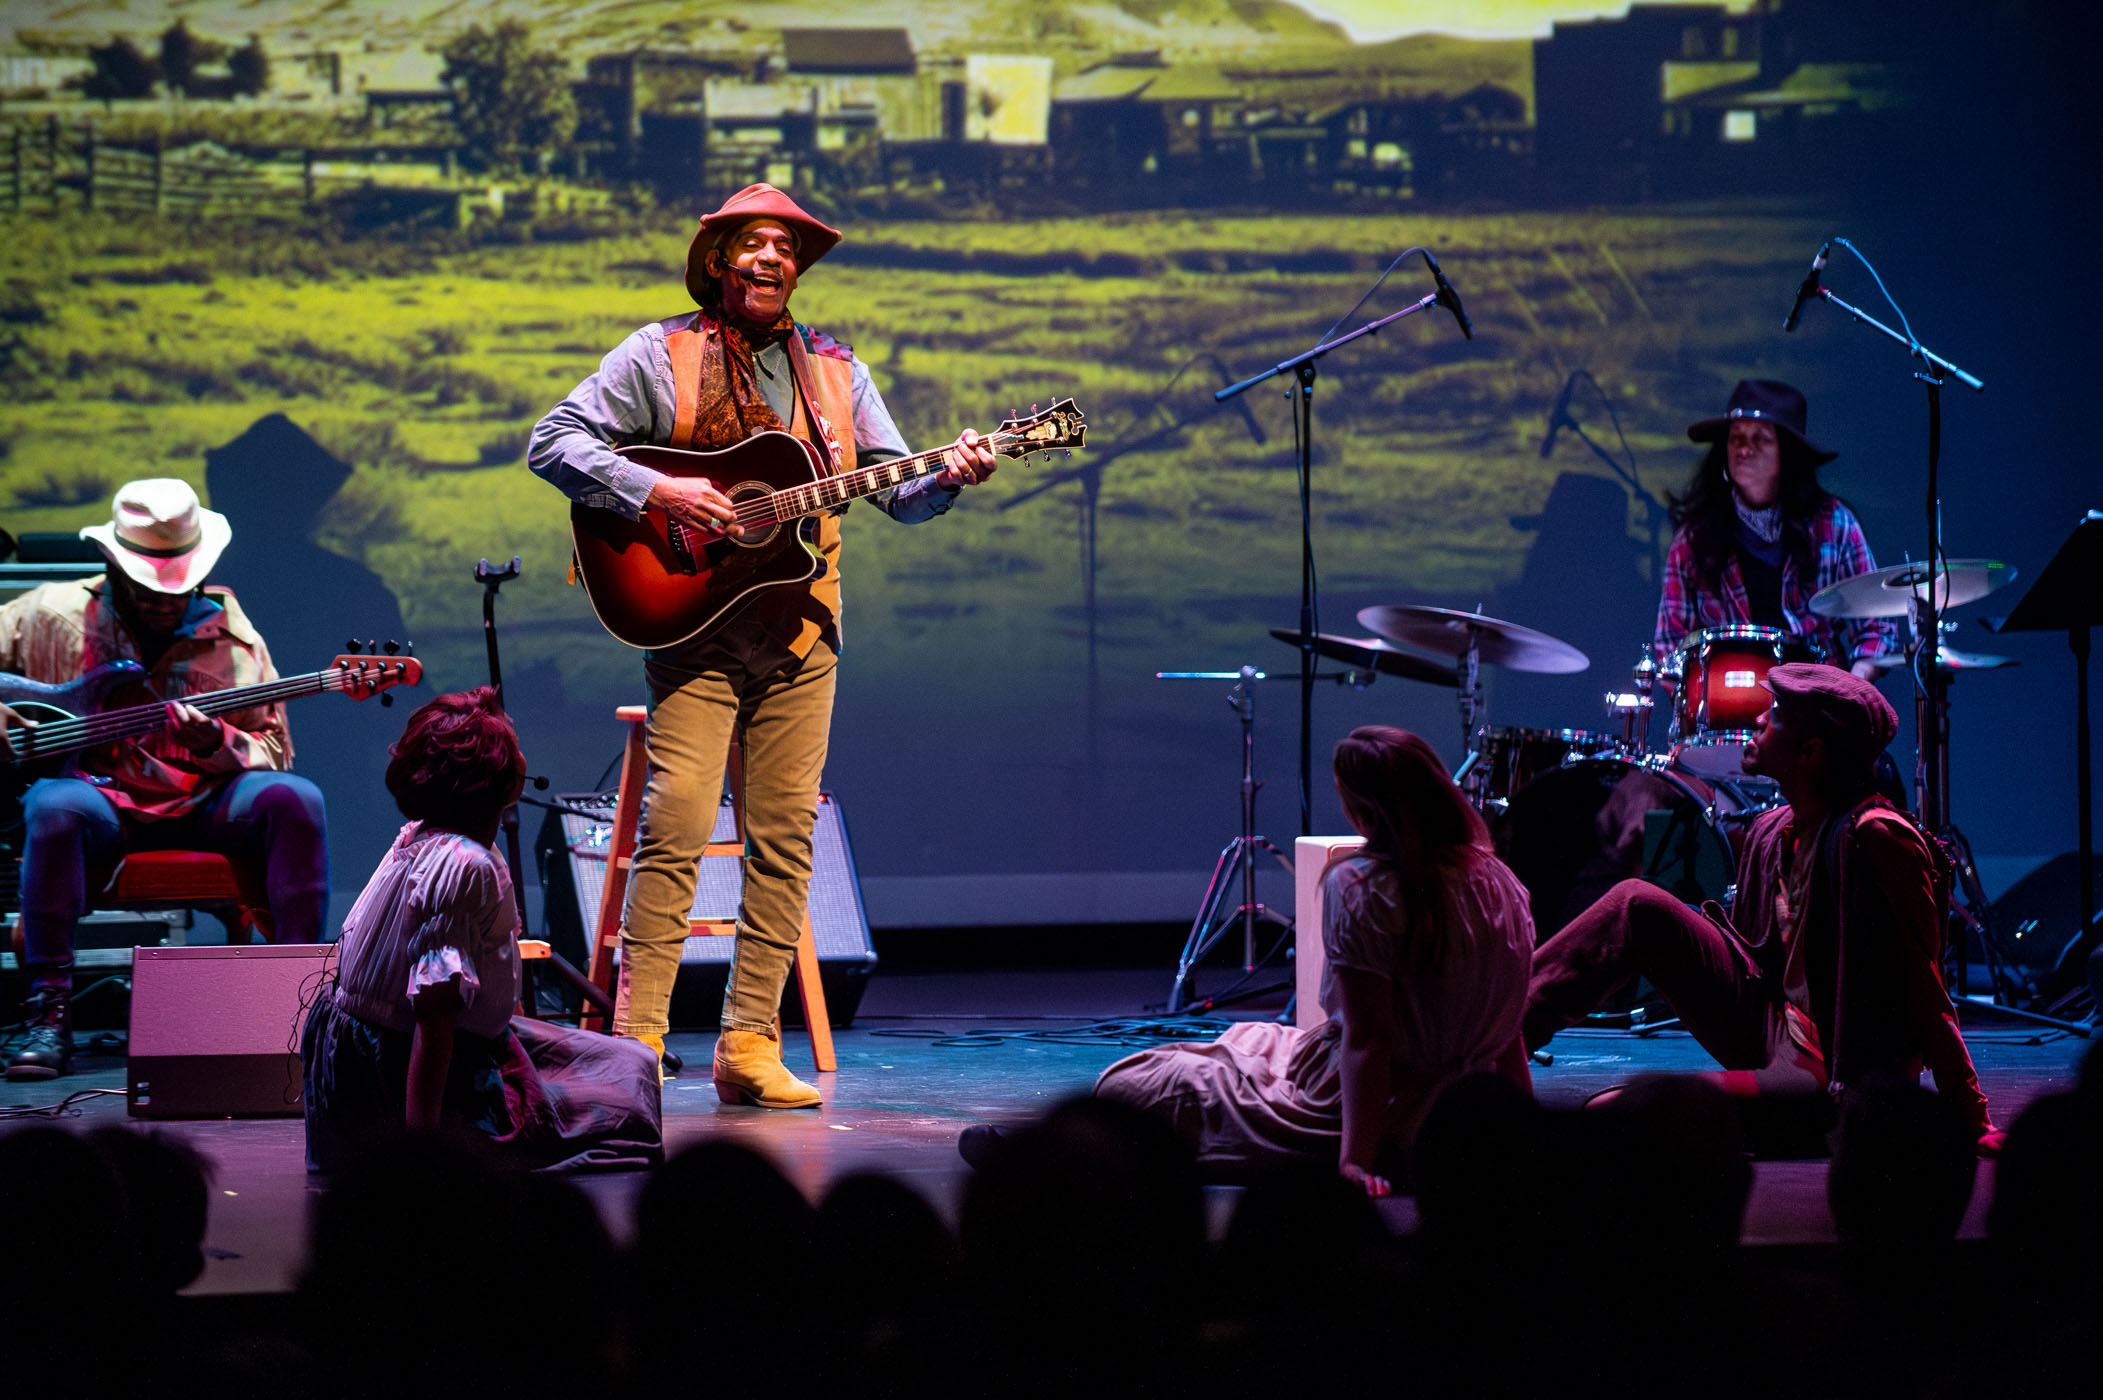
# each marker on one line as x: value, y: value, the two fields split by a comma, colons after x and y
x: 839, y: 924
x: 215, y: 1030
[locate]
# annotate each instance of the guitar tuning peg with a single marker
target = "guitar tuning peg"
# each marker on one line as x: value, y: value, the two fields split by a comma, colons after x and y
x: 408, y: 648
x: 393, y: 646
x: 386, y: 699
x: 371, y: 645
x: 351, y: 645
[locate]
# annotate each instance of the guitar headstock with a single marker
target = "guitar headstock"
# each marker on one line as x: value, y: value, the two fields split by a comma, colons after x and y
x: 1045, y: 430
x: 366, y: 675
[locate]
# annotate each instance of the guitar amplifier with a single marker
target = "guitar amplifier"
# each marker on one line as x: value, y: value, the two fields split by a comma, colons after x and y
x: 215, y: 1029
x: 839, y: 924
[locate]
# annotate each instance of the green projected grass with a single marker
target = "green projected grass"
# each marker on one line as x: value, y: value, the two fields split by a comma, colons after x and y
x: 130, y: 353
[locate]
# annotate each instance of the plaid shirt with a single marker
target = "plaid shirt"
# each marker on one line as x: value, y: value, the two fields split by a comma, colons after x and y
x: 1686, y: 606
x: 58, y: 632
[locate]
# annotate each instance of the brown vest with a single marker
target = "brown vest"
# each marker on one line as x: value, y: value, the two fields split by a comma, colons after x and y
x: 796, y: 615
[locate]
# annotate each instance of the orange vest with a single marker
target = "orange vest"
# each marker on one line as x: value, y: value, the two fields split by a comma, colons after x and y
x: 799, y: 615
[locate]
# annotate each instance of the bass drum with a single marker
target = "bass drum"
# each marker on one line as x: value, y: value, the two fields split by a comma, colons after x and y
x: 1574, y: 833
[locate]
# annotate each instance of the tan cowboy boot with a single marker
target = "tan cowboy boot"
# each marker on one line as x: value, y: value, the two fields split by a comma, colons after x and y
x: 656, y: 1044
x: 749, y: 1070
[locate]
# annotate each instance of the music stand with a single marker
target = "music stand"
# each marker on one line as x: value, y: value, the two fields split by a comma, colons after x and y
x: 2068, y: 597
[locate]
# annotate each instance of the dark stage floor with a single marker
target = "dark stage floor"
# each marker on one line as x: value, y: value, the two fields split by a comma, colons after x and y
x: 900, y: 1098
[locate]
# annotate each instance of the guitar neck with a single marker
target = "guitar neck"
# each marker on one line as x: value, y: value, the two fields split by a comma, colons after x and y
x: 64, y: 736
x: 831, y: 492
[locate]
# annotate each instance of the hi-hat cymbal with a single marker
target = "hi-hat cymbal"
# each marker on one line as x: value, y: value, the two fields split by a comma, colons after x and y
x: 1445, y: 632
x: 1889, y: 592
x: 1951, y: 660
x: 1373, y: 654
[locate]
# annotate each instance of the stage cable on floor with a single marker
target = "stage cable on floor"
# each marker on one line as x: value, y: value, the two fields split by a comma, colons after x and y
x: 64, y: 1108
x: 1127, y: 1032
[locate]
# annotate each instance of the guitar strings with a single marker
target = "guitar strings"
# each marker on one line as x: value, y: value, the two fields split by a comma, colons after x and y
x: 59, y: 736
x: 761, y: 510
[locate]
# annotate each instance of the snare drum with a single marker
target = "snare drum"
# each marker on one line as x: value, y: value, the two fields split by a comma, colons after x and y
x: 1720, y: 692
x: 1573, y: 833
x: 1510, y: 758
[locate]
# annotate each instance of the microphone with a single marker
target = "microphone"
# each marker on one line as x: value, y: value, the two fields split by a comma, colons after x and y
x: 1449, y: 298
x: 1809, y: 289
x: 1559, y: 416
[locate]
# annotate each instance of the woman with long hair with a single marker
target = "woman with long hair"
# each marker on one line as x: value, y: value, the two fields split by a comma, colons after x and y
x: 1427, y: 942
x: 1758, y: 535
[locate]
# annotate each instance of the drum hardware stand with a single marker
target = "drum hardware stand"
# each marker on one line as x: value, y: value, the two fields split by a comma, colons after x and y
x: 1237, y: 861
x: 1471, y: 778
x: 1931, y: 686
x: 1301, y: 367
x: 1634, y: 707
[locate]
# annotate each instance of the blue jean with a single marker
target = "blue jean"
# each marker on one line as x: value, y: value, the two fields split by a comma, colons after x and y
x: 70, y: 825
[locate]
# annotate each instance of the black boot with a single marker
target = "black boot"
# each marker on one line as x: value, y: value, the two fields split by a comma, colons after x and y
x: 46, y: 1048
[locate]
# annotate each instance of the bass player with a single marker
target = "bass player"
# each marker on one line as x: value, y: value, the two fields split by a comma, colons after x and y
x: 201, y: 783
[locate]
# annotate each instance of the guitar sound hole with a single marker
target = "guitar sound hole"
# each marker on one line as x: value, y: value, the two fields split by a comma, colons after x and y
x: 762, y: 530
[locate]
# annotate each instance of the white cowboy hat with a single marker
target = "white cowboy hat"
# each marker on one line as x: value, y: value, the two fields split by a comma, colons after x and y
x: 160, y: 536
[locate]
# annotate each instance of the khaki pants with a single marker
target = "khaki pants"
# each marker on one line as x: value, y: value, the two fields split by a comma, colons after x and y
x: 698, y: 700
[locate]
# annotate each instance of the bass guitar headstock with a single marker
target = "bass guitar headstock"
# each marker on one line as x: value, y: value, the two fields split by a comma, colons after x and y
x: 377, y: 668
x: 1044, y: 430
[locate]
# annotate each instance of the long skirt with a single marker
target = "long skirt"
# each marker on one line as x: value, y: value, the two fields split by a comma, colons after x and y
x: 553, y: 1098
x: 1261, y: 1094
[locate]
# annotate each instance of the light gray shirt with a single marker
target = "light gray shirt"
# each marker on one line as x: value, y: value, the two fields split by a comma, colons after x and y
x: 631, y: 399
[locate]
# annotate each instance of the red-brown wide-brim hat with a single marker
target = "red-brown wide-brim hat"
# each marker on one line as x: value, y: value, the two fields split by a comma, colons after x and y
x: 1769, y: 401
x: 814, y: 238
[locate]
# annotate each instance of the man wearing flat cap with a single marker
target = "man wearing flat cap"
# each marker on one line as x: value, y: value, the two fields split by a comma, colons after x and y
x: 708, y: 380
x: 1758, y: 535
x: 1827, y: 969
x: 201, y: 783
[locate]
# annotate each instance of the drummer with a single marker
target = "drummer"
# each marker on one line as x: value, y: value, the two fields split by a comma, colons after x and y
x: 1757, y: 535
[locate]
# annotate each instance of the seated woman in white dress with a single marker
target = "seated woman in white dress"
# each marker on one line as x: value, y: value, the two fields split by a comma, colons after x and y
x: 1428, y: 942
x: 416, y: 1031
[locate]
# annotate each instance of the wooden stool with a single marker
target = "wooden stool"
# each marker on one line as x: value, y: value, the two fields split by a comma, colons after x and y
x: 620, y: 857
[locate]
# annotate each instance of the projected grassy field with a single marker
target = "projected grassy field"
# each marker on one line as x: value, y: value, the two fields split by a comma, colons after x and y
x: 129, y: 354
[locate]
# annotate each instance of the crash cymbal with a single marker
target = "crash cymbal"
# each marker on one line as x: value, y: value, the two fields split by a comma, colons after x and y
x: 1445, y: 632
x: 1888, y: 592
x: 1951, y: 660
x: 1370, y: 653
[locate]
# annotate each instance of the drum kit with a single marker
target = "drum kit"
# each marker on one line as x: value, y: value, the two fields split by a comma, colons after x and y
x: 1574, y: 811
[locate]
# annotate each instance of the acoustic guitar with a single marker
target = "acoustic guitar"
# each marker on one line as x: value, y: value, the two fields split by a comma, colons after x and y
x: 655, y: 582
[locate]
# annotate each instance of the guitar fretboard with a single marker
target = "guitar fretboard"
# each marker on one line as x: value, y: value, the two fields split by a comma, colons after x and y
x: 830, y: 492
x: 53, y: 737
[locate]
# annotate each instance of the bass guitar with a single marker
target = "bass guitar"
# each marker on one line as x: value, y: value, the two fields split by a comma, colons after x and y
x: 655, y: 582
x: 66, y: 718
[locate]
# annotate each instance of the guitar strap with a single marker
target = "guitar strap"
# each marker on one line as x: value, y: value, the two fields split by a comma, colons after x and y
x: 684, y: 348
x: 820, y: 430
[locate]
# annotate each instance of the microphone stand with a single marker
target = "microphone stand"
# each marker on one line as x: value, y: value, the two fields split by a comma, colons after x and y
x: 1931, y: 687
x: 1301, y: 367
x: 491, y: 580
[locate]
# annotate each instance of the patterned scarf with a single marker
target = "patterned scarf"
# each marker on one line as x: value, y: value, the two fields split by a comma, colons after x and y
x: 729, y: 406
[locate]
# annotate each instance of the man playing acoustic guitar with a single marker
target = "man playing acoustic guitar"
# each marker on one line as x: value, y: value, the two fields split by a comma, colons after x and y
x: 201, y: 783
x: 709, y: 380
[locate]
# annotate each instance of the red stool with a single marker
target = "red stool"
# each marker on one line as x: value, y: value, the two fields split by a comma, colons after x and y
x: 186, y: 880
